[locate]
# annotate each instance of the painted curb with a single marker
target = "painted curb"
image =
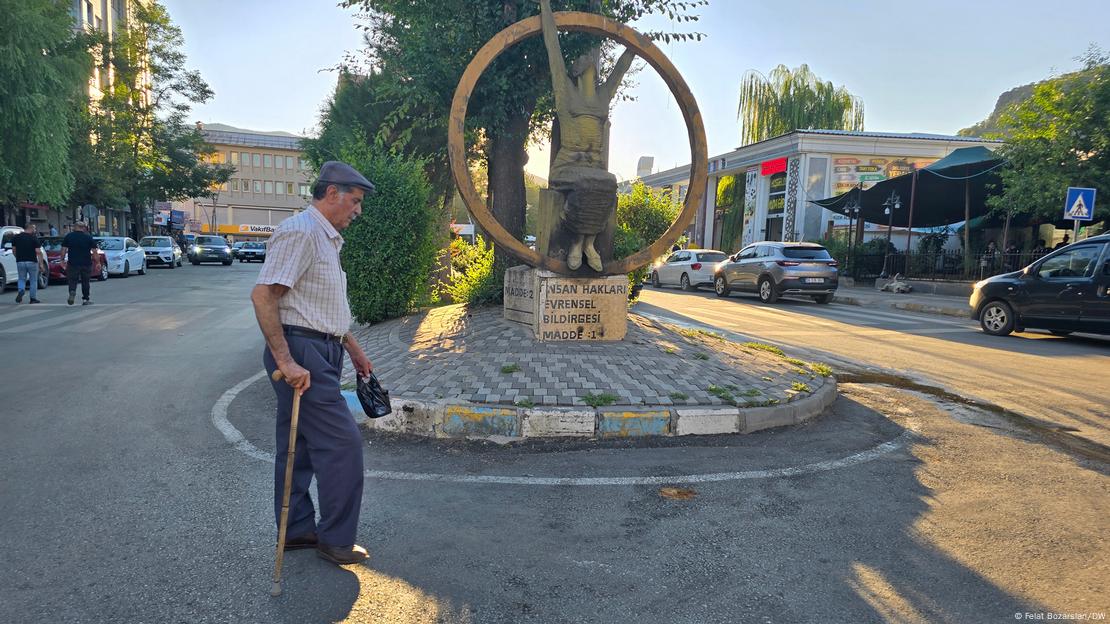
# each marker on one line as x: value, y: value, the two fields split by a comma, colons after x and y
x: 464, y: 420
x: 908, y: 306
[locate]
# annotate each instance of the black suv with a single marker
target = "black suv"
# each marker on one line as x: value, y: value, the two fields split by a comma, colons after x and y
x: 1063, y: 292
x: 211, y: 249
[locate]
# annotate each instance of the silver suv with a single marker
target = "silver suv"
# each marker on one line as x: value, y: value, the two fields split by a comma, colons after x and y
x: 773, y: 269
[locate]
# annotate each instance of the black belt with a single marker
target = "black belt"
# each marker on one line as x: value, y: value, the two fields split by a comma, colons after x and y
x: 304, y: 332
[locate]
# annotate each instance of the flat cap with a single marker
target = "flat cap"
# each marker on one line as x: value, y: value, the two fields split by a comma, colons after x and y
x: 335, y: 172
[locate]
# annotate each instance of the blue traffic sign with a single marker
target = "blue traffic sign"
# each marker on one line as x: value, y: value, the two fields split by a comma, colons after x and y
x: 1080, y: 205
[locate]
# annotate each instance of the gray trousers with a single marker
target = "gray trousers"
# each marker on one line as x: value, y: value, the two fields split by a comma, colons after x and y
x: 329, y: 446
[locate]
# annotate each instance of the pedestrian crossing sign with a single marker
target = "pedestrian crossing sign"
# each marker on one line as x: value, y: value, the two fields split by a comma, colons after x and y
x: 1080, y: 205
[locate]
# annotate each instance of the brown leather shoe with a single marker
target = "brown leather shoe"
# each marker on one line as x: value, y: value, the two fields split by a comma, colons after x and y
x: 342, y: 555
x: 308, y: 540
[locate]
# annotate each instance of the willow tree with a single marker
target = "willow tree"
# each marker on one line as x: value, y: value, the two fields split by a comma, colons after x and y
x: 792, y: 99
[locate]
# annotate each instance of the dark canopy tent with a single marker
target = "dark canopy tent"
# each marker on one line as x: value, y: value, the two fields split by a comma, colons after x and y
x: 950, y: 190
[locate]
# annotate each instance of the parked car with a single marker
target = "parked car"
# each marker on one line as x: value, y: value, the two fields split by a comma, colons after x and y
x: 773, y: 269
x: 161, y: 250
x: 1066, y: 291
x: 253, y: 251
x: 211, y: 249
x: 9, y: 270
x: 235, y: 247
x: 687, y: 268
x: 187, y: 248
x: 56, y: 260
x: 124, y: 255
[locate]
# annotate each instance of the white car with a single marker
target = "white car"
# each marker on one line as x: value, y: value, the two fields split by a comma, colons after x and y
x: 687, y: 268
x: 124, y: 255
x: 161, y: 250
x: 9, y: 271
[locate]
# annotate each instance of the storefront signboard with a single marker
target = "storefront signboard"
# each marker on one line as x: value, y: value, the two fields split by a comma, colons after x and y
x: 771, y: 167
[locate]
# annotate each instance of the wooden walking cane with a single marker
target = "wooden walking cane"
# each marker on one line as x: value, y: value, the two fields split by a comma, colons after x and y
x: 283, y: 523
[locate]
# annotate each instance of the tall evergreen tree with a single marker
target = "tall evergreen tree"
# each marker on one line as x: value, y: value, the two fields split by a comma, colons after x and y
x: 792, y: 99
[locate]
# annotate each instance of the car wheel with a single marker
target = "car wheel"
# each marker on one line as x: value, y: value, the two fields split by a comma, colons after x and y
x: 126, y: 268
x: 103, y: 272
x: 44, y: 279
x: 179, y: 262
x: 142, y: 269
x: 655, y: 279
x: 997, y: 318
x: 227, y: 262
x: 684, y: 282
x: 195, y: 262
x: 767, y: 292
x: 822, y: 298
x: 3, y: 280
x: 172, y: 265
x: 720, y: 286
x: 1060, y: 332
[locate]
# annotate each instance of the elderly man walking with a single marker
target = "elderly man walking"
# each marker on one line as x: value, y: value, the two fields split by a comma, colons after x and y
x: 78, y: 247
x: 300, y: 300
x: 29, y: 260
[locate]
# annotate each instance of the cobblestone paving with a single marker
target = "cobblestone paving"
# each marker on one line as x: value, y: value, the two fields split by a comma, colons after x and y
x: 475, y: 355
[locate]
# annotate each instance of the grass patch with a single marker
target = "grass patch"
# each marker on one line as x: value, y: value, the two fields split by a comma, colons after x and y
x: 800, y: 387
x: 510, y: 368
x: 700, y: 356
x: 670, y: 350
x: 700, y: 333
x: 350, y: 385
x: 525, y: 402
x: 759, y: 346
x: 796, y: 362
x: 722, y: 394
x: 765, y: 378
x: 823, y: 370
x: 679, y: 396
x: 599, y: 400
x: 752, y: 392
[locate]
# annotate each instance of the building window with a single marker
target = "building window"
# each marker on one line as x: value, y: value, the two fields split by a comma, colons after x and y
x: 246, y: 159
x: 268, y: 161
x: 88, y: 12
x: 257, y: 184
x: 289, y: 164
x: 279, y: 188
x: 304, y: 164
x: 288, y: 188
x: 269, y: 187
x: 235, y: 158
x: 256, y: 160
x: 279, y: 162
x: 305, y: 192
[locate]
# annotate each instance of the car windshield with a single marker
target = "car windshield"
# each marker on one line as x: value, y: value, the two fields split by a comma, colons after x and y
x: 211, y: 240
x: 711, y: 257
x: 254, y: 246
x: 110, y: 244
x: 51, y: 244
x: 154, y: 241
x: 806, y: 253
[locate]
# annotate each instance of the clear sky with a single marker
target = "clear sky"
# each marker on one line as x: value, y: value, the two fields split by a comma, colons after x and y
x: 919, y: 67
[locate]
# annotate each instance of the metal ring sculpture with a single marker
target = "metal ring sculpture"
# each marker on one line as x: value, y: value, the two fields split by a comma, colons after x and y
x: 604, y: 27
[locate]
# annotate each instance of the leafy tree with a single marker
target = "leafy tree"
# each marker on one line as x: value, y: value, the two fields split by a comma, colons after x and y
x: 426, y: 50
x: 730, y: 199
x: 390, y: 250
x: 472, y: 277
x: 44, y: 69
x: 1055, y: 139
x: 792, y: 99
x: 139, y: 128
x: 643, y: 215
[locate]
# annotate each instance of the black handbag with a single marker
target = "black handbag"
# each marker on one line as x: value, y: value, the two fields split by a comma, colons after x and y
x: 374, y: 398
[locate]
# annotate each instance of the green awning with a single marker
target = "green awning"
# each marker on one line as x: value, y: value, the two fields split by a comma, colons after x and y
x: 939, y: 197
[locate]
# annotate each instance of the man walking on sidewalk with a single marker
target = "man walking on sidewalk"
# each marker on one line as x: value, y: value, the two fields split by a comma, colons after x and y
x: 28, y: 261
x: 300, y: 300
x: 77, y: 246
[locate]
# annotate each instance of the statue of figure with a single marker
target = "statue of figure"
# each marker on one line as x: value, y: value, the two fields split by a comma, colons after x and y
x: 578, y: 170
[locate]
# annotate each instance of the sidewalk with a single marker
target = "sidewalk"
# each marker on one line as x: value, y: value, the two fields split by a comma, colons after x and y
x: 946, y: 305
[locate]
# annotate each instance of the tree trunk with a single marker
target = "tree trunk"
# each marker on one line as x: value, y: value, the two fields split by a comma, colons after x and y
x: 507, y: 157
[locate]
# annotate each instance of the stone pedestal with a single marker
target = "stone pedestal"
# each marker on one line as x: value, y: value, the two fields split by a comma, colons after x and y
x: 564, y: 308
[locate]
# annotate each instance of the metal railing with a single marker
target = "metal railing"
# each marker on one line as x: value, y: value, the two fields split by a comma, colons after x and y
x: 944, y: 265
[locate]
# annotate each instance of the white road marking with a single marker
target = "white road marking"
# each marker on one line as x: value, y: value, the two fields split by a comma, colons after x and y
x: 96, y: 323
x: 29, y: 311
x: 236, y: 438
x: 54, y: 320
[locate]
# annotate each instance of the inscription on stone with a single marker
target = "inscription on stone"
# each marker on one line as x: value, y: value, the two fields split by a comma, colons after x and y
x: 582, y: 308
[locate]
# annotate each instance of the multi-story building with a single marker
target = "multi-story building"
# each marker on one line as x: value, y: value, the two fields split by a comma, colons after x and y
x: 270, y: 183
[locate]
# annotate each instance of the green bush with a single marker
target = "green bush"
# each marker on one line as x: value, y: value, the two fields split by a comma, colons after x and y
x: 643, y: 215
x: 390, y: 251
x: 473, y: 280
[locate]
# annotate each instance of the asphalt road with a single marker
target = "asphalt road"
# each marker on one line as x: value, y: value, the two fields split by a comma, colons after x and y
x: 1060, y: 381
x: 122, y: 502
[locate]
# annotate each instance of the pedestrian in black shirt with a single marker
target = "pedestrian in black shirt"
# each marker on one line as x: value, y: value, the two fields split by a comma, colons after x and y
x: 28, y: 261
x: 78, y: 247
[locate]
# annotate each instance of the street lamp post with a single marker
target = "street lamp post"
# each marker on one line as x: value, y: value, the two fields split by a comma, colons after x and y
x: 891, y: 204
